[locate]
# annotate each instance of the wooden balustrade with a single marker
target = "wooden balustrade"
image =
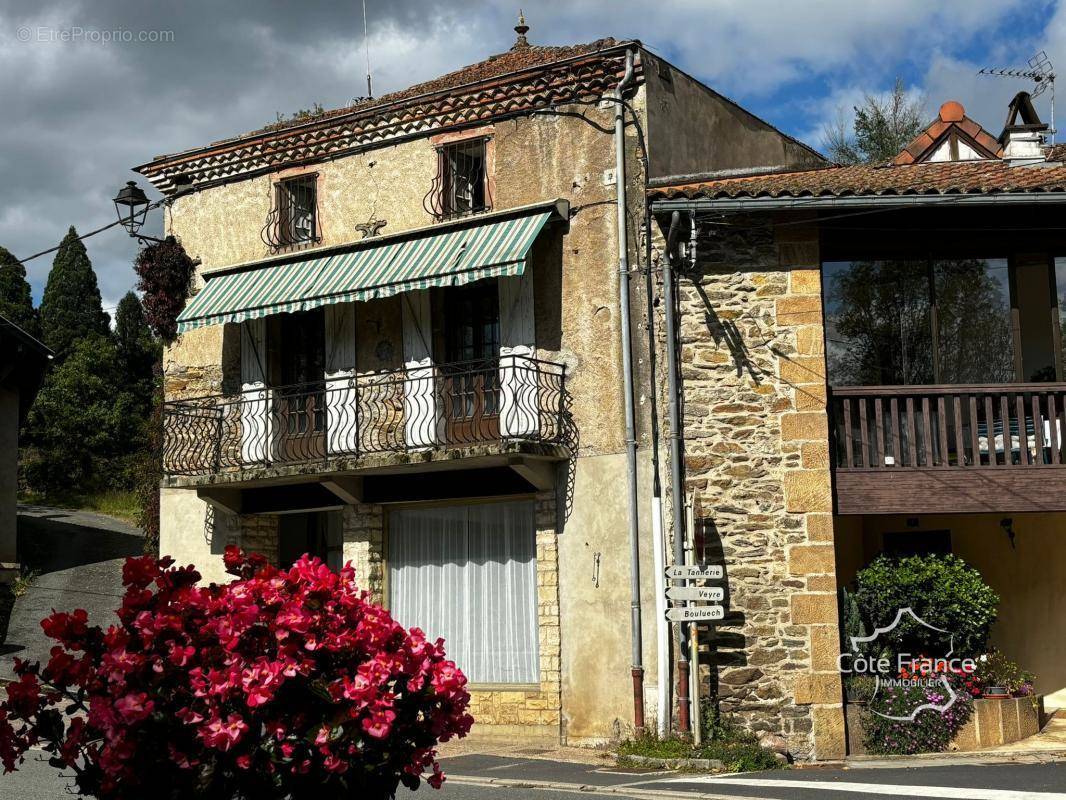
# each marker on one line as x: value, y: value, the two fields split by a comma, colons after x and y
x: 1010, y: 426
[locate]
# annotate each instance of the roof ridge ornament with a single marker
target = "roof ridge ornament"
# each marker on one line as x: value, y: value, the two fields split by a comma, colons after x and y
x: 521, y: 42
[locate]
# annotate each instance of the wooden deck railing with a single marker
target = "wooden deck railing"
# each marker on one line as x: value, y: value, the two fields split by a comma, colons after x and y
x: 963, y: 426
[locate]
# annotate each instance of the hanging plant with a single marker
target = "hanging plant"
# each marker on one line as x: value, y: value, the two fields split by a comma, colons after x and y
x: 165, y: 274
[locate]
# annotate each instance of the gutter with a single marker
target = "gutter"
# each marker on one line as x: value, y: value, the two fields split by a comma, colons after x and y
x: 637, y: 672
x: 869, y: 201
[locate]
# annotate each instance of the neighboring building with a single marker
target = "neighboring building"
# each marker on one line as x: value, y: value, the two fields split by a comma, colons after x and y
x: 405, y: 351
x: 872, y: 361
x: 22, y: 363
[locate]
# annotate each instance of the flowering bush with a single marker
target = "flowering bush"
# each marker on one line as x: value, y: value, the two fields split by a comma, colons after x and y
x: 280, y: 684
x: 930, y: 731
x: 995, y: 669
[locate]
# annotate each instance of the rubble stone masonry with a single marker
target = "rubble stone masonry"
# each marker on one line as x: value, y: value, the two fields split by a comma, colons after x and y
x: 757, y: 458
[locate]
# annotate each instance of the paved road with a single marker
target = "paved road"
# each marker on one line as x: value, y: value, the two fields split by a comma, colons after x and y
x: 971, y: 781
x: 78, y: 559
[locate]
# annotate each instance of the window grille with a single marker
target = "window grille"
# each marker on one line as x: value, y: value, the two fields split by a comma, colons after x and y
x: 461, y: 185
x: 293, y: 220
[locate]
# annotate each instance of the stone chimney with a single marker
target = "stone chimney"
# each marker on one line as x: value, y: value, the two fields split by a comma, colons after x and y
x: 1023, y: 134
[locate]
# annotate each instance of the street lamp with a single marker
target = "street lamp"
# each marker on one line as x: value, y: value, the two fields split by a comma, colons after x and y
x: 132, y: 206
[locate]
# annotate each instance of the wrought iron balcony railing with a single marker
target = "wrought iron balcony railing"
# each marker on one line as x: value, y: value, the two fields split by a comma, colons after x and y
x: 511, y: 398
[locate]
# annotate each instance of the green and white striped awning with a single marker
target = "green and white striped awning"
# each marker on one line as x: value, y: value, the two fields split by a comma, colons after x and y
x: 445, y: 255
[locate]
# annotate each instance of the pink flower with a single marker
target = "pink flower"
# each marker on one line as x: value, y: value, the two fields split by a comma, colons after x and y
x: 134, y: 707
x: 223, y: 734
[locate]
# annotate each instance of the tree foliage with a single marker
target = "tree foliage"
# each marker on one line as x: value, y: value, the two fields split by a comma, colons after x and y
x: 165, y: 273
x: 86, y: 423
x: 138, y: 351
x: 16, y: 303
x: 71, y: 309
x: 281, y: 685
x: 881, y: 127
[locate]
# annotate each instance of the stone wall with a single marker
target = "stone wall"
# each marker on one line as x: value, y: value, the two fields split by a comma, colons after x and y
x: 756, y: 456
x: 260, y: 534
x: 363, y: 527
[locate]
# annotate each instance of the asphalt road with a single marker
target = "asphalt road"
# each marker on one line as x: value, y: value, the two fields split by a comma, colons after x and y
x: 77, y: 558
x: 971, y: 781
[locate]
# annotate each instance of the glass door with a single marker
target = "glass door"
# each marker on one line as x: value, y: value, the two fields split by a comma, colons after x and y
x: 470, y: 390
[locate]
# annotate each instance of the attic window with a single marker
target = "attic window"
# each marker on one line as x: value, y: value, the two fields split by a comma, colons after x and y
x: 463, y: 178
x: 295, y: 211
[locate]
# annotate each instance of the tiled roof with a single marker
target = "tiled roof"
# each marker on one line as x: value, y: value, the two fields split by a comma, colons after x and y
x: 951, y: 121
x: 929, y: 178
x: 518, y: 80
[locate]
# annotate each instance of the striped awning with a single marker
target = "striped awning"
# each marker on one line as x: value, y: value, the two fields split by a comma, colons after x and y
x: 446, y: 255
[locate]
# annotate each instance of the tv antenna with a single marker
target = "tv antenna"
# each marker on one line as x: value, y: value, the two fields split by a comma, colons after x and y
x: 1040, y: 72
x: 366, y: 45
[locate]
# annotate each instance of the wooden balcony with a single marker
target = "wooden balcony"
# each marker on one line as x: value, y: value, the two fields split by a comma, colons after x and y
x: 948, y: 449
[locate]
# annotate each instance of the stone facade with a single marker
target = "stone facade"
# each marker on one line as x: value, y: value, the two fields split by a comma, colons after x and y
x: 756, y: 457
x: 259, y: 534
x: 363, y: 528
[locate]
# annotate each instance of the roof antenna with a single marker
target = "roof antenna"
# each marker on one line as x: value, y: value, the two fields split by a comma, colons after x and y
x: 1041, y: 72
x: 366, y: 44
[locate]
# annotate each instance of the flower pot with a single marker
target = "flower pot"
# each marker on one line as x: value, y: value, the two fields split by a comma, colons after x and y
x: 996, y: 692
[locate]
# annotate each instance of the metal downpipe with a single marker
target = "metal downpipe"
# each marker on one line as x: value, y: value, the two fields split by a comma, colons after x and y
x: 627, y: 379
x: 677, y: 490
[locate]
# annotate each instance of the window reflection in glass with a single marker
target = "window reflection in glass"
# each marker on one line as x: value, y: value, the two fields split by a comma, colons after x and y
x: 878, y: 322
x: 973, y: 315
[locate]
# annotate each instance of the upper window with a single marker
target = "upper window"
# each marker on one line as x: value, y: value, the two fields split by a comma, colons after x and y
x: 294, y: 220
x: 935, y: 321
x: 463, y: 178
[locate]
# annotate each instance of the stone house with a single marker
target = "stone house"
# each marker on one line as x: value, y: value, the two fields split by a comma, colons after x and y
x: 23, y: 360
x: 405, y: 349
x: 871, y: 361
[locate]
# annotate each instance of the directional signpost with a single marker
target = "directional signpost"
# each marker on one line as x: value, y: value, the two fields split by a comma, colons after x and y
x: 695, y: 613
x: 691, y: 572
x: 707, y: 594
x: 695, y: 594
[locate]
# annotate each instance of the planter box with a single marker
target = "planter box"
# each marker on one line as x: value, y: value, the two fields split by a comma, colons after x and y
x: 994, y: 722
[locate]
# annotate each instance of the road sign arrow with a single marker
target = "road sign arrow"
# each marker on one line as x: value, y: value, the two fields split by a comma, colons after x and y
x: 694, y: 571
x: 697, y: 593
x: 695, y: 613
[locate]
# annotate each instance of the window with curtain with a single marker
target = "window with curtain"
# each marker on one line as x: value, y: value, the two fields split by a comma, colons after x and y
x: 468, y: 574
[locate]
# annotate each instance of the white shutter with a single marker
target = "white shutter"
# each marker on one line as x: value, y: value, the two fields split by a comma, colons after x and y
x: 342, y: 430
x: 518, y: 368
x: 255, y: 396
x: 420, y: 408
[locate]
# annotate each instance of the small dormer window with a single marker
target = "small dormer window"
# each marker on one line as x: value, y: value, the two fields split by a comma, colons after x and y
x: 295, y: 211
x: 463, y: 178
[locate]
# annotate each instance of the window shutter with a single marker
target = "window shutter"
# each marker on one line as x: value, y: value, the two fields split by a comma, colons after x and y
x: 422, y: 420
x: 518, y: 367
x: 255, y: 396
x: 342, y: 428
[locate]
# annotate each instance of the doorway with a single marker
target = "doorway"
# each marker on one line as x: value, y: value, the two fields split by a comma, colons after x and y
x: 316, y: 533
x: 300, y: 399
x: 470, y: 389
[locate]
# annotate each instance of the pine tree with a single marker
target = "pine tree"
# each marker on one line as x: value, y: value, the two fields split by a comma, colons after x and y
x: 16, y: 304
x: 71, y: 309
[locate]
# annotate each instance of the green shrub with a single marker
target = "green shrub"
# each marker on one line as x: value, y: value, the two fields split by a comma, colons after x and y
x: 943, y: 590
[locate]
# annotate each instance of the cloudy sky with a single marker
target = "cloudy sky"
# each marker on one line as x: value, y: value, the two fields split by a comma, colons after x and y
x: 80, y: 110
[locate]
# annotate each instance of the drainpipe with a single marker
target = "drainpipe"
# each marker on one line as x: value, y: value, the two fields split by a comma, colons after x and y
x: 676, y: 488
x: 662, y: 627
x: 627, y: 379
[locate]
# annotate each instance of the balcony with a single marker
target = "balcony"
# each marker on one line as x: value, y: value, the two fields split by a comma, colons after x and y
x: 512, y: 404
x: 948, y: 449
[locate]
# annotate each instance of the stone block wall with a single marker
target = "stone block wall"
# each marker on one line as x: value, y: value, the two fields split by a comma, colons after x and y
x: 259, y: 533
x: 363, y: 528
x: 757, y: 458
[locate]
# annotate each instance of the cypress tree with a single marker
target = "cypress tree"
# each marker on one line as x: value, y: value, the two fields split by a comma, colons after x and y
x: 15, y: 301
x: 71, y: 308
x: 137, y: 349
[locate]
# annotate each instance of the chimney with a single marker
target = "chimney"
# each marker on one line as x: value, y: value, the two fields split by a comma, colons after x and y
x: 521, y: 42
x: 1023, y: 134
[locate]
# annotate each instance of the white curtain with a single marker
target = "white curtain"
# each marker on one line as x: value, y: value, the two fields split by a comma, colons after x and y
x: 468, y: 574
